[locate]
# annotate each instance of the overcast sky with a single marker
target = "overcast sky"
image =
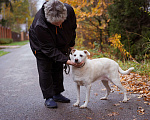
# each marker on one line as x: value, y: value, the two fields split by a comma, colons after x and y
x: 40, y: 3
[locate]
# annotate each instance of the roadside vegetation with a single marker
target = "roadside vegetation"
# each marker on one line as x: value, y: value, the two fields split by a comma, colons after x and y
x: 20, y: 43
x: 12, y: 44
x: 3, y: 53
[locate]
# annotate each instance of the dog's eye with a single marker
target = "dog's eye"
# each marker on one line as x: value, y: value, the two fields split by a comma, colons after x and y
x: 81, y: 55
x: 75, y: 55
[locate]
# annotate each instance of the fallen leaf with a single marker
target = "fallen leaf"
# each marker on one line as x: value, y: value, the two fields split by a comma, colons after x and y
x: 121, y: 108
x: 113, y: 114
x: 104, y: 89
x: 95, y: 94
x: 140, y: 111
x: 117, y: 104
x: 89, y: 118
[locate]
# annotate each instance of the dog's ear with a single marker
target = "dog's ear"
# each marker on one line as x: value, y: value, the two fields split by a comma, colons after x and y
x: 86, y: 52
x: 73, y: 50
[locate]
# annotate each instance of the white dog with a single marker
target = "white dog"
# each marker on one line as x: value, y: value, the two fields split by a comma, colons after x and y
x: 97, y: 69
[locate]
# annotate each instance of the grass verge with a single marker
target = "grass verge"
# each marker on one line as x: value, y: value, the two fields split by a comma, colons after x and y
x: 3, y: 53
x: 20, y: 43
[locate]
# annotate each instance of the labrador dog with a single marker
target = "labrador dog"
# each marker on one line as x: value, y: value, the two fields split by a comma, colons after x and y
x: 96, y: 69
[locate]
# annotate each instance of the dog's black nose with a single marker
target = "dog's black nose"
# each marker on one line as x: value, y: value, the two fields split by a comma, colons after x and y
x: 76, y: 60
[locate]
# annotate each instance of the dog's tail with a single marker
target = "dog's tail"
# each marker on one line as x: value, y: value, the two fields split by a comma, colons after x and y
x: 125, y: 72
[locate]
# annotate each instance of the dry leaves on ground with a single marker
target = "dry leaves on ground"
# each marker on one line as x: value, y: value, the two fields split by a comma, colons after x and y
x: 140, y: 111
x: 134, y: 83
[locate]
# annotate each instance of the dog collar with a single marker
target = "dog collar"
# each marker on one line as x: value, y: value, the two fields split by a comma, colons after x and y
x: 81, y: 65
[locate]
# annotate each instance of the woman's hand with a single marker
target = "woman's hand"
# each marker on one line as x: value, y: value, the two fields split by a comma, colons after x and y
x: 69, y: 62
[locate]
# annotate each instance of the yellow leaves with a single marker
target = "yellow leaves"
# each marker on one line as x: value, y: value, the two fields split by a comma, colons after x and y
x: 89, y: 13
x: 115, y: 40
x: 84, y: 9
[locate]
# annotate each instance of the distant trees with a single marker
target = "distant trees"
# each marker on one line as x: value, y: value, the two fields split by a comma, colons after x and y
x: 92, y: 17
x: 18, y: 12
x: 131, y: 19
x: 123, y: 23
x: 7, y: 3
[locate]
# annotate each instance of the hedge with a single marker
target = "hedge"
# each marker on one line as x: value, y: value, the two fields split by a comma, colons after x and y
x: 5, y: 40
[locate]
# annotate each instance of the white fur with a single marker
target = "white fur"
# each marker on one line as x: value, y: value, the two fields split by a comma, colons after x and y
x: 97, y: 69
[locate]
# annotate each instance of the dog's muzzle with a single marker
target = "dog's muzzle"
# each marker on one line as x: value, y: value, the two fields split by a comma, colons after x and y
x: 76, y: 61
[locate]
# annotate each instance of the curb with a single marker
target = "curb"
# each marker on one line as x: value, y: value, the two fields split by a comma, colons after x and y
x: 4, y: 47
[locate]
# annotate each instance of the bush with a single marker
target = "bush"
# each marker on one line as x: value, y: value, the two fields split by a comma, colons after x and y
x: 5, y: 40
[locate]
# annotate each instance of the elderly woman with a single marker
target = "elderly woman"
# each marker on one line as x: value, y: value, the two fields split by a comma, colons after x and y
x: 51, y: 34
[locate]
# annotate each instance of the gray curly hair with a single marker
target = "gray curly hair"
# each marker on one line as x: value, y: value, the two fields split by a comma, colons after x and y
x: 55, y: 11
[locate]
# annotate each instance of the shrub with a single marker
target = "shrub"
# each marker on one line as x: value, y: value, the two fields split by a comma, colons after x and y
x: 5, y: 40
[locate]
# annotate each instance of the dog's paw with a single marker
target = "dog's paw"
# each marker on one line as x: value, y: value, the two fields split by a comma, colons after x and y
x: 124, y: 101
x: 76, y: 104
x: 103, y: 98
x: 83, y: 106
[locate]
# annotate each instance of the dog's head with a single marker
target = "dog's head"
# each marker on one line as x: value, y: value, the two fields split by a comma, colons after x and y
x: 78, y: 56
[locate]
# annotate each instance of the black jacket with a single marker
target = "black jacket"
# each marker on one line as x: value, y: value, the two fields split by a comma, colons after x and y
x: 51, y: 41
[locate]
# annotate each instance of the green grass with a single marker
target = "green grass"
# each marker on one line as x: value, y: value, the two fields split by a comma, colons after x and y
x: 3, y: 53
x: 17, y: 43
x: 140, y: 68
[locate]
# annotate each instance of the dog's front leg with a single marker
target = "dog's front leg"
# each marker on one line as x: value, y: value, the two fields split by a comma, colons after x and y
x: 88, y: 88
x: 78, y: 96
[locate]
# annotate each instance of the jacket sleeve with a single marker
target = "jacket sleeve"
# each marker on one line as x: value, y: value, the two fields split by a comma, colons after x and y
x: 47, y: 45
x: 74, y: 26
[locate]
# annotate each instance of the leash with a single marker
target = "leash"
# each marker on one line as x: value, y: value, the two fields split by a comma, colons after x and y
x: 67, y: 69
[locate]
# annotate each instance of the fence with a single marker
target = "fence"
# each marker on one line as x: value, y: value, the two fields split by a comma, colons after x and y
x: 7, y: 33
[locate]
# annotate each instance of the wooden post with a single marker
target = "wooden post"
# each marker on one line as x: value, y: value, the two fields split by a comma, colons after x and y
x: 22, y: 36
x: 4, y: 32
x: 0, y: 31
x: 9, y: 33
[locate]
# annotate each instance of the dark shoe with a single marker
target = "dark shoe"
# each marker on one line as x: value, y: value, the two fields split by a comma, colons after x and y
x: 50, y: 103
x: 61, y: 98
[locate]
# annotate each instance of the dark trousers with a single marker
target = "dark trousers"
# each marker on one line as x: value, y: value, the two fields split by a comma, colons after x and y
x: 50, y: 76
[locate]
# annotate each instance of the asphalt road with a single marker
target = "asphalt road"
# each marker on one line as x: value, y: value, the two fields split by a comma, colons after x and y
x: 21, y: 97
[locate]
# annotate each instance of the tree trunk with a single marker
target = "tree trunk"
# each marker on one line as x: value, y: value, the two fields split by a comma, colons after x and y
x: 101, y: 40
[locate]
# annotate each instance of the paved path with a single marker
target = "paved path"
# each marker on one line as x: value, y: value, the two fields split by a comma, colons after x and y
x: 21, y: 97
